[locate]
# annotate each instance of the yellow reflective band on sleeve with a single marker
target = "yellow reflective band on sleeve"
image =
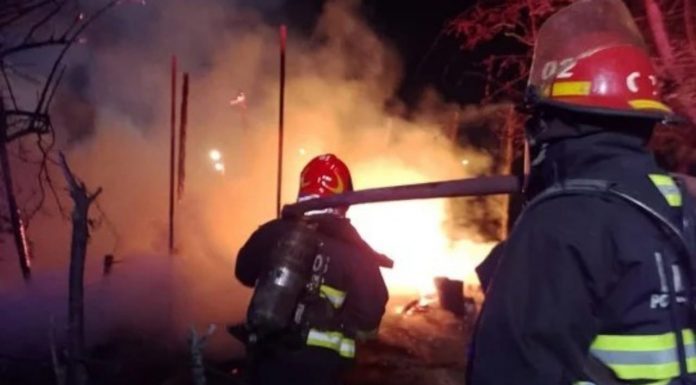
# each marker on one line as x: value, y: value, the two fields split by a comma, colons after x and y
x: 645, y: 357
x: 688, y: 336
x: 647, y: 104
x: 635, y: 342
x: 663, y: 382
x: 667, y: 188
x: 571, y: 89
x: 335, y: 341
x: 335, y: 296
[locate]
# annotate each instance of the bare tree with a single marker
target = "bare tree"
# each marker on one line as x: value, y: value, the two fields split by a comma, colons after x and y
x: 671, y: 31
x: 672, y: 26
x: 29, y: 28
x: 82, y: 199
x: 517, y: 23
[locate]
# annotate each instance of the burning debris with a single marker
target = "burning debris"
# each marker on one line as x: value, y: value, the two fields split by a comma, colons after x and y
x: 424, y: 347
x: 450, y: 297
x: 422, y: 341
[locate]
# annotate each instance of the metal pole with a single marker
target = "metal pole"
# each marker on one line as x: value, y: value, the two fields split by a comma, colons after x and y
x: 182, y: 137
x: 171, y: 157
x: 283, y: 37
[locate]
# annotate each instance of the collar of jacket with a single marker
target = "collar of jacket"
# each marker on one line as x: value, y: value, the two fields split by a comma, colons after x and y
x: 592, y: 154
x: 334, y: 225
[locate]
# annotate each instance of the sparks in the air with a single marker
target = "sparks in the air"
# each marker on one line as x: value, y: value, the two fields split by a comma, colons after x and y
x: 219, y: 167
x: 240, y: 101
x: 302, y: 151
x: 465, y: 162
x: 215, y: 155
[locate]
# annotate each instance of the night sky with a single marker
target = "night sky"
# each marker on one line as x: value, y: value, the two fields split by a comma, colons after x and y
x: 415, y: 28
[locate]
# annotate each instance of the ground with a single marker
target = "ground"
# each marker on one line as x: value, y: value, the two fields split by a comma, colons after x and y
x: 425, y: 345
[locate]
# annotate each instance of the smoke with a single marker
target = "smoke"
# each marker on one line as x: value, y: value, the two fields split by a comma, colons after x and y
x: 339, y: 81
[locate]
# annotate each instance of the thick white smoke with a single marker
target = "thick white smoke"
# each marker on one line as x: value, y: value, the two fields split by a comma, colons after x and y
x: 339, y: 80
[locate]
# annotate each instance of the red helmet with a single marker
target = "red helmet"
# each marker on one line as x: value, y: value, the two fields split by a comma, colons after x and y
x: 323, y: 176
x: 591, y: 57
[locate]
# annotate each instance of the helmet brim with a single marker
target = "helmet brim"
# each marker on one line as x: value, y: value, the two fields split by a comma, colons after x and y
x: 534, y: 101
x: 657, y: 116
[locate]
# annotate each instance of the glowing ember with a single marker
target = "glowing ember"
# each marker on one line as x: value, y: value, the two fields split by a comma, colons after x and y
x: 240, y: 101
x: 465, y: 162
x: 219, y: 167
x: 302, y: 151
x: 215, y: 155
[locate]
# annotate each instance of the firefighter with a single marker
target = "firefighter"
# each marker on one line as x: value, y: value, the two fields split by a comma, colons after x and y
x: 594, y: 285
x: 341, y: 300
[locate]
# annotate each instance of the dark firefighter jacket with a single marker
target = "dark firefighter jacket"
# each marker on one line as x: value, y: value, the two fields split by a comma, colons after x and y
x: 353, y: 283
x: 584, y: 288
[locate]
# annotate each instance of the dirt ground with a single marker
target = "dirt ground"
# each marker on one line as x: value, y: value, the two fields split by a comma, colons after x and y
x: 427, y: 346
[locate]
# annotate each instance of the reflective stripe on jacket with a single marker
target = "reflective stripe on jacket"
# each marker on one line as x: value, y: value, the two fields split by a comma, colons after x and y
x: 332, y: 339
x: 645, y: 357
x: 652, y: 357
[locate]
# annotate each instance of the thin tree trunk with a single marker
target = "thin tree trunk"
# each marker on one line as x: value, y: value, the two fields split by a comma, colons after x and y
x: 659, y: 33
x: 664, y: 48
x: 76, y: 324
x: 76, y: 373
x: 18, y: 229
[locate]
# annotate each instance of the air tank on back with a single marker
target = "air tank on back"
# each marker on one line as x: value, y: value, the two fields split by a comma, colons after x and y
x: 279, y: 288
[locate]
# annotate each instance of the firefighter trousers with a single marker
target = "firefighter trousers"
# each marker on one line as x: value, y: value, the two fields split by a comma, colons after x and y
x: 305, y: 366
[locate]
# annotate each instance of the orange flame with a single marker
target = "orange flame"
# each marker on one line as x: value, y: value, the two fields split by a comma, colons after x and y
x: 413, y: 234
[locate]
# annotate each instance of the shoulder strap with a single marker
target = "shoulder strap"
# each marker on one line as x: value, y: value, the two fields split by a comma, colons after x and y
x: 600, y: 187
x: 688, y: 216
x: 595, y: 369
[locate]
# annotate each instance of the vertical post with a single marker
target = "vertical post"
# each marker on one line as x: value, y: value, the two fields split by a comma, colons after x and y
x: 18, y: 229
x: 506, y: 159
x: 283, y: 37
x: 172, y: 151
x: 182, y: 137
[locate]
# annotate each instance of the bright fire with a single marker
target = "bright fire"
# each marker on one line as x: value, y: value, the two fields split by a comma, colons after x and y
x: 412, y: 233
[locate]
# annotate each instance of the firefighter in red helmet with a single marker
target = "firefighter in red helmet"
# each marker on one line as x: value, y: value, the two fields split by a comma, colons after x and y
x: 323, y: 176
x: 595, y: 284
x: 317, y: 287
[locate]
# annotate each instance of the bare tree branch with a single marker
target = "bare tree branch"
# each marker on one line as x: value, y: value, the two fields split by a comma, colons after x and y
x: 29, y: 25
x: 20, y: 10
x: 53, y: 12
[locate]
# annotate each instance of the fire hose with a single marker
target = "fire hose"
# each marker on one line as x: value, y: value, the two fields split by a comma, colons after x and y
x: 479, y: 186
